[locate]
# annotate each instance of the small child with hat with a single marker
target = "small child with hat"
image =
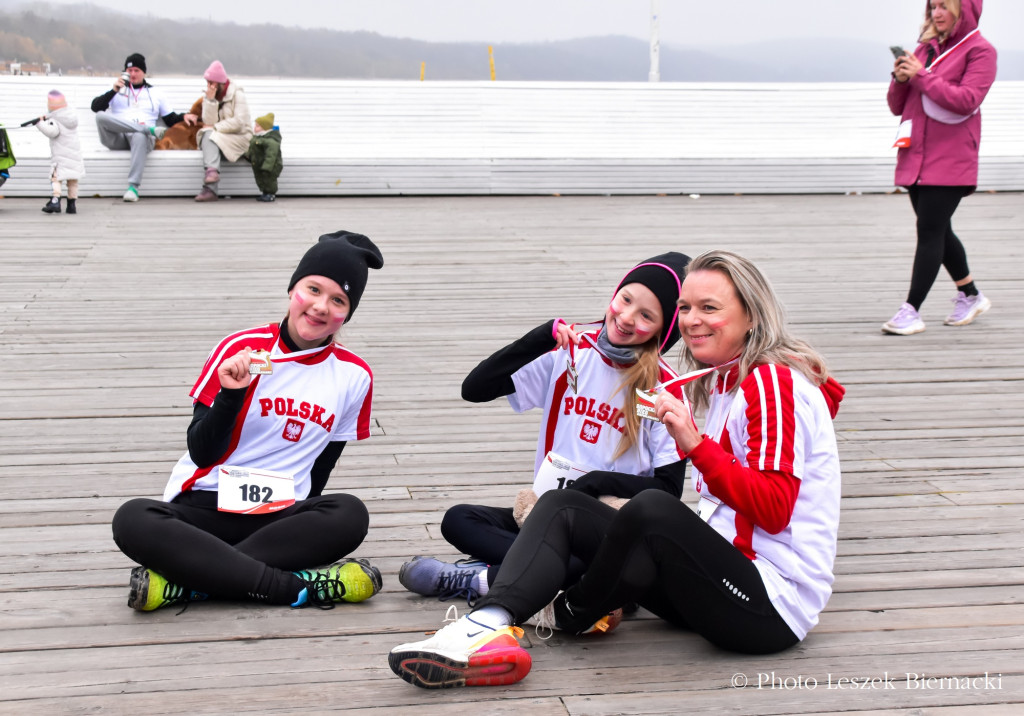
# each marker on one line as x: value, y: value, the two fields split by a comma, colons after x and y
x: 265, y: 155
x: 60, y: 124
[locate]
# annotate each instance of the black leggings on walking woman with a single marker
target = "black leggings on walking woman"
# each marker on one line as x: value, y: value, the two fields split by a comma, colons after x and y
x: 654, y: 551
x: 937, y: 245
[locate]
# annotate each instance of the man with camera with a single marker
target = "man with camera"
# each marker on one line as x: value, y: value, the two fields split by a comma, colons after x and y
x: 126, y: 118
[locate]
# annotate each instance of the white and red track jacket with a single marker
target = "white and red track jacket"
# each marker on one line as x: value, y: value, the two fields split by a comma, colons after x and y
x: 312, y: 397
x: 772, y: 463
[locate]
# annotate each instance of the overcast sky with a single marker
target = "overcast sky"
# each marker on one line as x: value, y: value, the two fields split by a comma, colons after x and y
x: 690, y: 23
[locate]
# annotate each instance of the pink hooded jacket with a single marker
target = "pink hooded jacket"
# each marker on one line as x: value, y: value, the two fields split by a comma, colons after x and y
x: 943, y: 154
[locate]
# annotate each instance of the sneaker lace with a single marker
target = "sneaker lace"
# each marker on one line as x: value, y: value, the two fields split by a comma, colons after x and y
x: 905, y: 313
x: 458, y: 584
x: 323, y: 590
x: 452, y: 615
x: 173, y: 594
x: 544, y: 622
x: 962, y: 302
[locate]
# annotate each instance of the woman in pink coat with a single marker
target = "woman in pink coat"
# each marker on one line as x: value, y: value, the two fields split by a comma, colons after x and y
x: 938, y: 90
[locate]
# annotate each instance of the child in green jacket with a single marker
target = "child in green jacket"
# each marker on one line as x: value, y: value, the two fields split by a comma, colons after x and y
x: 265, y: 155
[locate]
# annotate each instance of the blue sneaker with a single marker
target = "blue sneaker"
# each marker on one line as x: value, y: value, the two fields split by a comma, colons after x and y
x: 444, y: 580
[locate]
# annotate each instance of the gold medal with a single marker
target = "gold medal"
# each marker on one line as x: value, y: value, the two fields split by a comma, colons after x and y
x: 572, y: 376
x: 645, y: 405
x: 259, y: 363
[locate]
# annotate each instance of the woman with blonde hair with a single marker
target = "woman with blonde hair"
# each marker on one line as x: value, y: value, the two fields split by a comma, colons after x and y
x: 584, y: 377
x: 937, y: 91
x: 751, y: 570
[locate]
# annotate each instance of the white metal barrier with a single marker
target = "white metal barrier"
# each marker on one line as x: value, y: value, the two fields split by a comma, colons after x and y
x: 345, y: 137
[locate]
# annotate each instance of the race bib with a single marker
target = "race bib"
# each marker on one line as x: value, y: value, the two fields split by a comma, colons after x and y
x: 557, y: 473
x: 250, y: 491
x: 903, y: 134
x: 707, y: 506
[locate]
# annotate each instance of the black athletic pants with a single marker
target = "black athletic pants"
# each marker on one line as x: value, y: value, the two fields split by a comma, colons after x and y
x: 654, y: 551
x: 487, y: 533
x: 937, y: 245
x: 230, y: 556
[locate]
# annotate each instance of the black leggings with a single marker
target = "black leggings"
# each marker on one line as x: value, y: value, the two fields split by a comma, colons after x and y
x: 230, y: 556
x: 937, y: 245
x: 487, y: 533
x: 654, y: 551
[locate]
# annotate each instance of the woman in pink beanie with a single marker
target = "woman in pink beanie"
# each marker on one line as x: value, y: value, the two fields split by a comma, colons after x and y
x: 226, y: 130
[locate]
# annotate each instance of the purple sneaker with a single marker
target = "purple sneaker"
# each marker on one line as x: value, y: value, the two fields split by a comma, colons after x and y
x: 444, y: 580
x: 967, y: 308
x: 907, y: 321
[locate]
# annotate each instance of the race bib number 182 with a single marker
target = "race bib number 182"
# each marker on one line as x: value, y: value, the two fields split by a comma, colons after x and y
x: 250, y: 491
x: 557, y: 473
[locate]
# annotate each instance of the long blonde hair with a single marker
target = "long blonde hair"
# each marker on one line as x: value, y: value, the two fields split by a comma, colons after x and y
x: 643, y: 374
x: 768, y: 340
x: 928, y: 30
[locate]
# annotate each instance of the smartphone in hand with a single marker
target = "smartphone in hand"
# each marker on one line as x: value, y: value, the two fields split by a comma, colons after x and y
x: 897, y: 51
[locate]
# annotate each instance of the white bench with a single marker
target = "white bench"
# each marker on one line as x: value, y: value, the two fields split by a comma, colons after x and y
x: 345, y: 137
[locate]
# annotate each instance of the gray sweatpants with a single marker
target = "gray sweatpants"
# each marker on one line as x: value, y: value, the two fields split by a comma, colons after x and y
x: 119, y: 135
x: 211, y: 155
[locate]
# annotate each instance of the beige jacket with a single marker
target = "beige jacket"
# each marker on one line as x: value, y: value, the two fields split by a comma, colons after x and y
x: 229, y: 121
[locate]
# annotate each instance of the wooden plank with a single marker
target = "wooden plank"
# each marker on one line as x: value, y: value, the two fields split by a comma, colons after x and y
x: 105, y: 318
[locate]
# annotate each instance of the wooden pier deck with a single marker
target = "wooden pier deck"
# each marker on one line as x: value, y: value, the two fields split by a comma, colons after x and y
x: 106, y: 317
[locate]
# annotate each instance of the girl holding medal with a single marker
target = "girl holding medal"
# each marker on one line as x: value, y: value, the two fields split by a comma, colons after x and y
x: 585, y: 378
x: 243, y: 516
x: 750, y: 575
x: 938, y: 91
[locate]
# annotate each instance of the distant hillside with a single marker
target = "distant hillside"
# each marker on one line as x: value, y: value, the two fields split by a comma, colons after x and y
x: 85, y: 36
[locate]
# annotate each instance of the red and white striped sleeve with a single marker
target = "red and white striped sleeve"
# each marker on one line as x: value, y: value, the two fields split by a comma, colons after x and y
x: 771, y: 418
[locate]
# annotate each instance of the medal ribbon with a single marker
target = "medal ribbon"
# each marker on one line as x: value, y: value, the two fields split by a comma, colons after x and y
x: 692, y: 376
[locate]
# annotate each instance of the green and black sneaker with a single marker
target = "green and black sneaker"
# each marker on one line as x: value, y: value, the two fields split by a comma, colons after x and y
x: 350, y: 580
x: 149, y: 591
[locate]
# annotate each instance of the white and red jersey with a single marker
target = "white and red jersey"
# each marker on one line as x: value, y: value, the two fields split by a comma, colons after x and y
x: 312, y: 397
x: 586, y: 426
x: 775, y: 422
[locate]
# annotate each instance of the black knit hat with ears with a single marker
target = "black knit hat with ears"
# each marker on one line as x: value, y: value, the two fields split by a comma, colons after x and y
x: 135, y: 60
x: 663, y: 274
x: 343, y: 257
